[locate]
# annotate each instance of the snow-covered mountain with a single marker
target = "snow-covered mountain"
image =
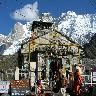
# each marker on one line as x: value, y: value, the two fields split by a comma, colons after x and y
x: 19, y: 34
x: 2, y: 43
x: 2, y: 39
x: 78, y: 27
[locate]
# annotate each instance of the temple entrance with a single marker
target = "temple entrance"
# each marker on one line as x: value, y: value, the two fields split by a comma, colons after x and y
x: 55, y: 65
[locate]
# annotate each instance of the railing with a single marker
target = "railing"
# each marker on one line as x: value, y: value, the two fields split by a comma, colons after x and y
x: 10, y: 74
x: 88, y: 79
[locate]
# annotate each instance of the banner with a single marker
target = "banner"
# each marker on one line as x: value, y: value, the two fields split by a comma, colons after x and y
x: 4, y: 86
x: 19, y: 87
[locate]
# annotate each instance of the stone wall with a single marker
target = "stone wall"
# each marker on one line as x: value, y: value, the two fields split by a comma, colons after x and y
x: 8, y: 61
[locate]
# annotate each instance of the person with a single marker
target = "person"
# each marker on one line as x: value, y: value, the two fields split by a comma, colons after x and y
x: 77, y: 83
x: 39, y: 88
x: 71, y: 82
x: 67, y: 73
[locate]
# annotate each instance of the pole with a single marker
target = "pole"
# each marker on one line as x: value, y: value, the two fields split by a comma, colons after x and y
x: 29, y: 67
x: 36, y: 76
x: 91, y: 76
x: 29, y: 54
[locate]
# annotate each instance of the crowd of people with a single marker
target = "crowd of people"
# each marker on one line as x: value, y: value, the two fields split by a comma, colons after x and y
x: 72, y: 86
x: 71, y: 82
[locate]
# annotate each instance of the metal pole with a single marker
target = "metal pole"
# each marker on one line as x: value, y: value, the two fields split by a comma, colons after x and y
x: 29, y: 67
x: 36, y: 75
x: 29, y: 54
x: 91, y: 76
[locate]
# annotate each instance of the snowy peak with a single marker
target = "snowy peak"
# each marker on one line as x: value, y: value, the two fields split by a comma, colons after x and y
x: 19, y: 34
x: 79, y: 27
x: 16, y: 32
x: 2, y: 38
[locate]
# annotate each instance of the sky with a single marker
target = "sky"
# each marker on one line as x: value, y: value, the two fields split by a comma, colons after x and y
x: 12, y: 11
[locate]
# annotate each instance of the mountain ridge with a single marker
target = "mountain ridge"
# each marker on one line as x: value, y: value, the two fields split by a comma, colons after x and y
x: 78, y: 27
